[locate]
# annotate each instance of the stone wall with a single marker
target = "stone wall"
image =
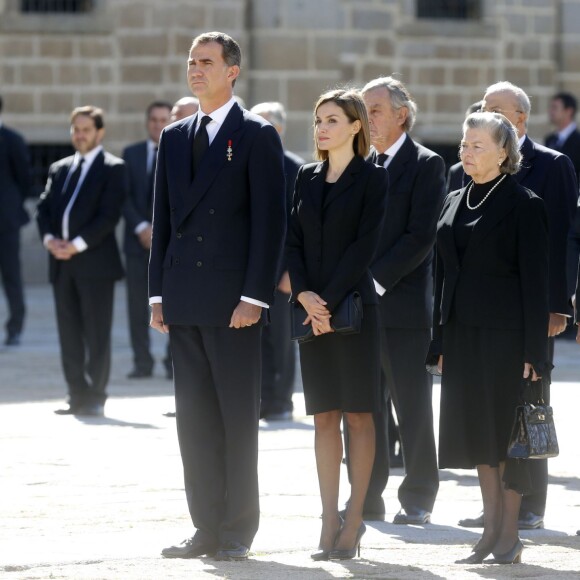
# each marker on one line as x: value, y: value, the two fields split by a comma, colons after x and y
x: 128, y: 52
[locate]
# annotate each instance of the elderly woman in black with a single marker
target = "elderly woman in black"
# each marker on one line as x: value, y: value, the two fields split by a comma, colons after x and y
x: 490, y: 318
x: 336, y: 221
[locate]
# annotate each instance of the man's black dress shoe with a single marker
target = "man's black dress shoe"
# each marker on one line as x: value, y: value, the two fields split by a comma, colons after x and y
x: 530, y: 521
x: 413, y: 515
x: 91, y: 410
x: 139, y: 374
x: 190, y: 548
x: 578, y: 533
x: 68, y: 411
x: 472, y: 522
x: 170, y: 414
x: 373, y: 510
x: 12, y: 340
x: 232, y: 550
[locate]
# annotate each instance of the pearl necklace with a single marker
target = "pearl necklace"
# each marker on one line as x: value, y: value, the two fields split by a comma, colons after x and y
x: 486, y: 195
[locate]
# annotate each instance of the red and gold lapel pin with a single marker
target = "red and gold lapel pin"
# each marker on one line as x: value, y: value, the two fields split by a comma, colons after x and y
x: 229, y: 150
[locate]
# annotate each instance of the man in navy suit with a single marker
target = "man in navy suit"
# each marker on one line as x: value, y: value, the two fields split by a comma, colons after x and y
x: 76, y: 216
x: 403, y: 276
x: 140, y: 159
x: 218, y: 225
x: 551, y: 176
x: 15, y: 185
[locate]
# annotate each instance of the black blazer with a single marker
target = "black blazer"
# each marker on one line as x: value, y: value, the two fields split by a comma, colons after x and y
x: 502, y: 281
x: 15, y: 179
x: 93, y: 216
x: 403, y: 262
x: 571, y: 147
x: 550, y: 175
x: 138, y: 206
x: 331, y: 243
x: 218, y: 236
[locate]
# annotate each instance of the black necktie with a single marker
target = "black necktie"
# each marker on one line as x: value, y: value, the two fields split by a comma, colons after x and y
x: 381, y: 159
x: 73, y: 181
x: 200, y: 143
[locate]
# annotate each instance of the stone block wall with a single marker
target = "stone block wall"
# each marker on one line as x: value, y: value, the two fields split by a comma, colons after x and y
x: 128, y: 52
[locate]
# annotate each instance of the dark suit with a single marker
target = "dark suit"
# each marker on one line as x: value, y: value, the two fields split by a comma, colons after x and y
x: 84, y: 285
x: 278, y: 350
x: 571, y: 148
x: 15, y: 185
x: 403, y: 266
x: 550, y: 175
x: 217, y: 236
x: 138, y: 208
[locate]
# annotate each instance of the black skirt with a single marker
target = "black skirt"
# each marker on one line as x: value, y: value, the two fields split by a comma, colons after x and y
x: 342, y: 372
x: 480, y: 389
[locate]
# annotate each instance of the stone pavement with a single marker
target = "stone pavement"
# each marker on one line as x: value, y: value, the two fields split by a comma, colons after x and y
x: 99, y: 498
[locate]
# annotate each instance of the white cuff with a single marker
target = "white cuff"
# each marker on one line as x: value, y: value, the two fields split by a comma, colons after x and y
x: 380, y: 290
x: 155, y: 300
x: 46, y: 239
x: 254, y: 302
x: 141, y: 226
x: 79, y: 244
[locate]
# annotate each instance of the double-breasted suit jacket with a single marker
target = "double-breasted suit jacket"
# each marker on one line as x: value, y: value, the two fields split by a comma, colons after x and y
x: 331, y: 242
x: 93, y: 216
x: 217, y: 236
x: 502, y: 280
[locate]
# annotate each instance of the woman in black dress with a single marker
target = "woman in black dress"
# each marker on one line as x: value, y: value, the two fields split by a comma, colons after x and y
x: 490, y: 319
x: 336, y: 222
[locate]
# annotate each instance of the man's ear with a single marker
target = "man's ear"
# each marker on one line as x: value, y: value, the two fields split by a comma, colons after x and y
x: 402, y: 114
x: 233, y: 72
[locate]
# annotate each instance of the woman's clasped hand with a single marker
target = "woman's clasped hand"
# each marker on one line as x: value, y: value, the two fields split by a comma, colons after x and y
x: 318, y: 315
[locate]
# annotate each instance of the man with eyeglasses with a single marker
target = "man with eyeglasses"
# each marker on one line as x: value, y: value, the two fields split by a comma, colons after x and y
x: 551, y: 176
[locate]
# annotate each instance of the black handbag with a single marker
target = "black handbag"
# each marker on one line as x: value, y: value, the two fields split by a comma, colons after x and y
x: 533, y: 432
x: 346, y: 318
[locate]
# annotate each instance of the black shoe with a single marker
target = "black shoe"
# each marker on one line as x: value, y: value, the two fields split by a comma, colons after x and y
x: 190, y: 548
x: 282, y: 416
x: 68, y: 411
x: 139, y: 374
x: 373, y: 510
x: 472, y: 522
x: 514, y: 556
x: 530, y: 521
x: 413, y: 516
x: 170, y: 414
x: 91, y: 410
x: 578, y: 533
x: 349, y: 553
x: 12, y: 340
x: 232, y: 550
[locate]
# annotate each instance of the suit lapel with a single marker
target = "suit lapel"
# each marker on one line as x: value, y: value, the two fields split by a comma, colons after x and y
x: 445, y: 225
x: 316, y: 186
x: 528, y: 153
x: 214, y: 159
x: 397, y: 166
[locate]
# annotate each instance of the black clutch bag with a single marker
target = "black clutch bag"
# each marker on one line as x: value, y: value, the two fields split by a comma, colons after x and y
x: 533, y: 432
x: 346, y: 318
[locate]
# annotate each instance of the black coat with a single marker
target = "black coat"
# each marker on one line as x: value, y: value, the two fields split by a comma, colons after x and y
x: 502, y: 281
x: 403, y: 262
x: 93, y: 216
x: 331, y: 242
x: 219, y: 236
x: 550, y: 175
x: 139, y: 203
x: 15, y: 179
x: 571, y: 147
